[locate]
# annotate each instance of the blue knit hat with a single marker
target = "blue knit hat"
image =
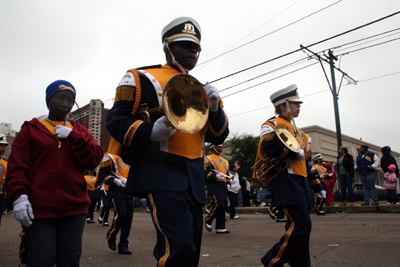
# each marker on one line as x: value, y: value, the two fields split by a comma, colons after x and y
x: 59, y: 85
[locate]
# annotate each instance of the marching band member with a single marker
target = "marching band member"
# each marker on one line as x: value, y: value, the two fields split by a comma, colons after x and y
x: 168, y: 166
x: 291, y: 187
x: 3, y: 170
x: 45, y: 180
x: 320, y: 171
x: 105, y: 209
x: 93, y: 193
x: 114, y: 172
x: 233, y: 190
x: 216, y: 168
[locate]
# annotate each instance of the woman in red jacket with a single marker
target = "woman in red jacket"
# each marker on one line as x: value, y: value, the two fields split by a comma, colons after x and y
x: 330, y: 184
x: 46, y: 183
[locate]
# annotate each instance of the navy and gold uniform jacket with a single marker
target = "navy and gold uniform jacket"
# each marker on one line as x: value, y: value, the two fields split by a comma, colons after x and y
x: 217, y: 163
x: 173, y: 165
x: 293, y: 185
x: 3, y: 171
x: 112, y: 163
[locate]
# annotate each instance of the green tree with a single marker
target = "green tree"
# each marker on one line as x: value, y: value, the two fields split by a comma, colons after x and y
x: 243, y: 148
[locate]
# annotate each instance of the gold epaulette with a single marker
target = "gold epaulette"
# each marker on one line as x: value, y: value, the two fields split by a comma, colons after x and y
x: 130, y: 93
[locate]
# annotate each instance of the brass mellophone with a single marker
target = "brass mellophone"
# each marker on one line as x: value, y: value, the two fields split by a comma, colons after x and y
x: 184, y: 103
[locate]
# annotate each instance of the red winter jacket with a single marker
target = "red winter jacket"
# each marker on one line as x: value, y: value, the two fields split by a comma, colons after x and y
x: 52, y: 176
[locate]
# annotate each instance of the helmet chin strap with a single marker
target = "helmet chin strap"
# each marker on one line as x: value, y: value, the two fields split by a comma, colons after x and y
x: 289, y: 113
x: 183, y: 70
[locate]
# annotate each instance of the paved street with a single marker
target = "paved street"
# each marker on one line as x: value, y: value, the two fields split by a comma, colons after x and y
x: 338, y: 239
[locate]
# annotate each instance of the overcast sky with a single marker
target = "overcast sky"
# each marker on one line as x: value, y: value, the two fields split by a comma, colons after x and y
x: 92, y: 44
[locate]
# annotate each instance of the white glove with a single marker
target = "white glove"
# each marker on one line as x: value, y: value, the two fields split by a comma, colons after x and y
x: 23, y: 211
x: 219, y: 177
x: 119, y: 182
x: 321, y: 194
x: 322, y: 176
x: 160, y: 131
x: 331, y: 174
x: 213, y: 96
x: 301, y: 154
x: 62, y: 132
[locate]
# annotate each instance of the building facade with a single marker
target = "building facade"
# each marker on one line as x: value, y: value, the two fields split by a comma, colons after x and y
x: 93, y: 117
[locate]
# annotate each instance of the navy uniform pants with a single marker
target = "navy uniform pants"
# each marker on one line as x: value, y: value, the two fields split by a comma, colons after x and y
x: 217, y: 211
x: 123, y: 213
x: 293, y: 248
x: 178, y: 219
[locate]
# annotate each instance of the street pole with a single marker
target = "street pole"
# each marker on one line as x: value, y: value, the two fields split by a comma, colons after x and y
x: 335, y: 98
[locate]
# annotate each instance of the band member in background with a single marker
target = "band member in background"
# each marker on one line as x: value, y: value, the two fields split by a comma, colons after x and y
x: 45, y: 180
x: 3, y: 170
x: 320, y: 171
x: 105, y: 209
x: 291, y: 189
x: 93, y: 192
x: 168, y: 166
x: 216, y: 181
x: 114, y: 172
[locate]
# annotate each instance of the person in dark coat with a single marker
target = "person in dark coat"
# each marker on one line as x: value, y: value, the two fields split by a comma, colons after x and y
x: 388, y: 159
x: 346, y: 176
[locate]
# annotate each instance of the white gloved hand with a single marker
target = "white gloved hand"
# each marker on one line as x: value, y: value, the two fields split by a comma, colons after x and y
x: 331, y: 174
x: 322, y: 176
x: 160, y: 131
x: 119, y: 182
x: 321, y: 194
x: 62, y: 132
x: 301, y: 154
x: 23, y: 211
x: 213, y: 96
x: 219, y: 177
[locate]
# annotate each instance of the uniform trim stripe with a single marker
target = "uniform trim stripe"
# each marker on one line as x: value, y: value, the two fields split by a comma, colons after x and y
x: 131, y: 132
x: 164, y: 258
x: 222, y: 130
x: 214, y: 209
x: 287, y: 236
x: 114, y: 224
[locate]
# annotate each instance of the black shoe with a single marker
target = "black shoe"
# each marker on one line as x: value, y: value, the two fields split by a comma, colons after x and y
x: 271, y: 214
x: 124, y: 251
x: 105, y: 224
x: 321, y: 212
x: 112, y: 245
x: 208, y: 227
x: 90, y: 221
x: 224, y: 231
x: 281, y: 220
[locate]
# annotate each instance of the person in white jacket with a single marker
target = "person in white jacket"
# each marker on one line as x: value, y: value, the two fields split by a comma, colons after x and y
x: 233, y: 190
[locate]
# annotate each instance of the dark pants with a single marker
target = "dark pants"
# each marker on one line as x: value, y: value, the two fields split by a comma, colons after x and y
x: 392, y: 196
x: 178, y: 219
x: 346, y: 188
x: 233, y: 200
x: 293, y: 248
x: 93, y: 201
x: 105, y: 210
x: 123, y: 213
x: 217, y: 211
x: 55, y: 241
x: 23, y: 247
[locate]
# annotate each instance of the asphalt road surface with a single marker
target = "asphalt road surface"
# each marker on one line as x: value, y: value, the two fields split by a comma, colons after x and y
x: 352, y: 239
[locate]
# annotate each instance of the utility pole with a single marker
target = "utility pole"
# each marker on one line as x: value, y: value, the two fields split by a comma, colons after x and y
x: 335, y: 98
x: 334, y: 90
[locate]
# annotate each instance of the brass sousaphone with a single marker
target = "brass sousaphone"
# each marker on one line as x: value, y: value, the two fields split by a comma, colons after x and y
x: 267, y: 168
x: 185, y: 104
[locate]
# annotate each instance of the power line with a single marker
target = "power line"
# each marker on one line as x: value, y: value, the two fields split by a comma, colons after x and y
x: 309, y: 15
x: 297, y: 50
x: 271, y: 79
x: 362, y: 48
x: 227, y: 51
x: 319, y: 92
